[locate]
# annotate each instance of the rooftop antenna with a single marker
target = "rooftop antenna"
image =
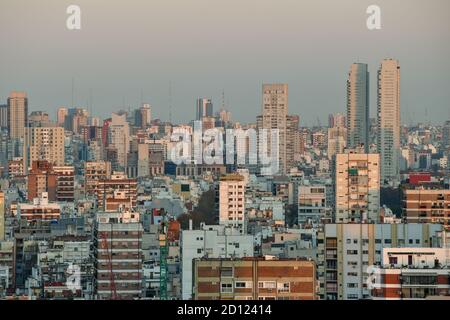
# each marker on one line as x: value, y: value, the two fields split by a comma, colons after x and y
x: 73, y: 89
x: 90, y: 102
x: 170, y: 101
x: 142, y: 97
x: 223, y: 99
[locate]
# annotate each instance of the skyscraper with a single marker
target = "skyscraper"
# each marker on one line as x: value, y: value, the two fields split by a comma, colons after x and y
x: 358, y: 106
x: 3, y: 116
x: 119, y: 137
x: 17, y: 114
x: 17, y: 121
x: 204, y: 108
x: 274, y: 116
x: 388, y: 134
x: 62, y: 113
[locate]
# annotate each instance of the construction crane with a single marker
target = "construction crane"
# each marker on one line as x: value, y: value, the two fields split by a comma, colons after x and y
x: 163, y: 252
x: 105, y: 246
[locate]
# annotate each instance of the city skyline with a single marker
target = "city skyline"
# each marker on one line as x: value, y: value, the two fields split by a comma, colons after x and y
x: 221, y: 58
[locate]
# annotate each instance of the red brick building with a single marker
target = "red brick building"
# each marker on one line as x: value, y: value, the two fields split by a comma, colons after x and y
x: 254, y: 279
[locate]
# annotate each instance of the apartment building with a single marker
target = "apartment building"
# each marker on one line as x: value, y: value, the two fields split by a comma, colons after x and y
x: 214, y: 241
x: 7, y: 265
x: 357, y: 187
x: 345, y: 252
x: 94, y: 172
x: 312, y: 204
x: 57, y: 181
x: 427, y: 205
x: 116, y: 192
x: 44, y: 143
x: 118, y: 255
x: 40, y: 209
x: 413, y: 273
x: 254, y: 279
x: 232, y: 201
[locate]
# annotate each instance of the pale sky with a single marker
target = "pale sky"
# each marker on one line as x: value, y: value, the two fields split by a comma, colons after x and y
x: 206, y: 46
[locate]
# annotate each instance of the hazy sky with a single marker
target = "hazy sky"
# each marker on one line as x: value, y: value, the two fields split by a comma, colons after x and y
x: 206, y: 46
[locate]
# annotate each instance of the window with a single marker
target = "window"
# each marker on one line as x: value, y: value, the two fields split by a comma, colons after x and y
x: 266, y: 284
x: 226, y: 287
x: 226, y: 272
x: 243, y: 284
x: 284, y: 287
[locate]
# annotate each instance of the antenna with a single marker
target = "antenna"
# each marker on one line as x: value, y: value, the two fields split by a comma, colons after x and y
x: 73, y: 89
x: 223, y: 99
x: 90, y: 102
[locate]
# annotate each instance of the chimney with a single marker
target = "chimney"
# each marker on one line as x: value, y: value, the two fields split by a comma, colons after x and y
x: 190, y: 224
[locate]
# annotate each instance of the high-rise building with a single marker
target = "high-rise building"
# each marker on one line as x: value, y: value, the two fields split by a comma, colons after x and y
x: 254, y: 279
x: 388, y: 135
x: 232, y: 201
x: 61, y: 116
x: 17, y: 114
x: 358, y: 106
x: 292, y: 134
x: 118, y: 255
x: 337, y: 141
x: 274, y: 116
x: 143, y: 116
x: 44, y: 143
x: 17, y: 121
x: 446, y: 134
x: 357, y: 187
x: 119, y: 137
x: 3, y: 116
x: 204, y: 108
x: 336, y: 120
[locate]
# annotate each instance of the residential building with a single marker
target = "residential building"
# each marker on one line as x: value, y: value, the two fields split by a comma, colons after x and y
x: 346, y: 251
x: 388, y: 136
x: 118, y: 255
x: 357, y: 187
x: 232, y: 201
x: 214, y: 241
x: 254, y: 279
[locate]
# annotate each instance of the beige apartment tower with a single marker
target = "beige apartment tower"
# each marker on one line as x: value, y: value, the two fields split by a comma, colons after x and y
x: 388, y: 135
x: 232, y: 201
x: 357, y: 188
x: 44, y: 143
x: 17, y: 114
